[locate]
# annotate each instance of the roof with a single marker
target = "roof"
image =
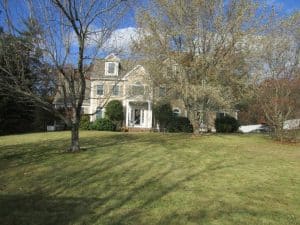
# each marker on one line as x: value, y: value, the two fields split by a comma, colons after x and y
x: 98, y: 69
x: 112, y: 58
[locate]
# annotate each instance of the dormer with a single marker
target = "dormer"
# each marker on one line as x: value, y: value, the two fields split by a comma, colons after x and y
x: 112, y: 65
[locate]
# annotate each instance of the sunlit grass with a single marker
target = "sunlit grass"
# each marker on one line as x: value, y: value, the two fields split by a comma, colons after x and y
x: 148, y: 178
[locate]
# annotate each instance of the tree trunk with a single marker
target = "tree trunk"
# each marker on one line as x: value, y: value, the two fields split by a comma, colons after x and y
x: 194, y: 118
x: 195, y: 124
x: 75, y: 138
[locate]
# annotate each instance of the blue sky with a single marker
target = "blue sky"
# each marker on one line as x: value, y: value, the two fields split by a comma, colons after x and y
x: 126, y: 32
x: 288, y: 6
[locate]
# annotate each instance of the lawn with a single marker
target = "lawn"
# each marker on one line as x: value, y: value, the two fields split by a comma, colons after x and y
x: 148, y: 178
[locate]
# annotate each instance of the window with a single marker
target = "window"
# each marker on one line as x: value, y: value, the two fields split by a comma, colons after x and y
x: 138, y: 89
x: 221, y: 115
x: 176, y: 112
x: 98, y: 113
x: 162, y: 91
x: 111, y: 68
x: 175, y: 68
x: 115, y: 90
x: 100, y: 89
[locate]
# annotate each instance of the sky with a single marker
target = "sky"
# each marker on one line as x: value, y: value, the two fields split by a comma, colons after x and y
x: 127, y: 28
x: 287, y: 5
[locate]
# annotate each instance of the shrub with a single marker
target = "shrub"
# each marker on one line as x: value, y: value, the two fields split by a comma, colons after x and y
x: 114, y: 112
x: 85, y: 122
x: 180, y: 124
x: 163, y: 114
x: 226, y: 124
x: 103, y: 124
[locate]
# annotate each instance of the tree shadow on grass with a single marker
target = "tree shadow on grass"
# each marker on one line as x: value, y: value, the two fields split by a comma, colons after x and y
x: 122, y: 184
x: 39, y: 209
x: 37, y: 152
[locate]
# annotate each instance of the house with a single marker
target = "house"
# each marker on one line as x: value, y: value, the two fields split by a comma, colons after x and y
x: 114, y: 79
x: 111, y: 79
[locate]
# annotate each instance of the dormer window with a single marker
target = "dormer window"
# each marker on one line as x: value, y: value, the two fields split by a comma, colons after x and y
x: 111, y: 68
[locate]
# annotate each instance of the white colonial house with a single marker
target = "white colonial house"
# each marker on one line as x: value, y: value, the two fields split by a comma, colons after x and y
x: 112, y: 79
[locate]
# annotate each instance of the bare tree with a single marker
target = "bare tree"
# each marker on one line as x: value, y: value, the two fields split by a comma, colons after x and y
x: 277, y: 89
x: 73, y: 33
x: 198, y: 48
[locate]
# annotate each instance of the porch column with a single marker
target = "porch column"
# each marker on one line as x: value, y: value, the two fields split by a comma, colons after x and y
x: 149, y: 119
x: 127, y: 113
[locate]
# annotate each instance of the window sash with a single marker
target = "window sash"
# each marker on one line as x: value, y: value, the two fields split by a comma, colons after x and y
x: 100, y: 89
x: 115, y: 90
x: 162, y: 91
x: 111, y: 68
x: 98, y: 113
x: 138, y: 90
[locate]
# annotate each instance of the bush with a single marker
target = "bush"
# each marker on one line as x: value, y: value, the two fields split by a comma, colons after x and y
x: 114, y: 111
x: 179, y: 124
x: 103, y: 124
x: 85, y: 122
x: 163, y: 114
x: 226, y: 124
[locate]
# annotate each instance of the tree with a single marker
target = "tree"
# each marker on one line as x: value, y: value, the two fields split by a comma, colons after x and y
x: 278, y: 101
x: 163, y: 114
x: 277, y: 89
x: 72, y: 35
x: 114, y: 112
x: 198, y: 49
x: 17, y: 55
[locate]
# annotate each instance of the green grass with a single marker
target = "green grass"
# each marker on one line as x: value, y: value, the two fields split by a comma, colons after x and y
x: 148, y: 178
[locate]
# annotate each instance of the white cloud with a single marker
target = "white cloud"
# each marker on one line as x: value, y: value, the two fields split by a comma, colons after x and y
x: 121, y: 39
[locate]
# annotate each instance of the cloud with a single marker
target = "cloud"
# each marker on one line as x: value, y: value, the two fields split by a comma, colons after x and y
x: 121, y: 39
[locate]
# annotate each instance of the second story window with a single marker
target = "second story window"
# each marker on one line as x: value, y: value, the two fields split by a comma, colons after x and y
x: 100, y: 89
x: 138, y: 89
x: 115, y: 90
x: 162, y: 91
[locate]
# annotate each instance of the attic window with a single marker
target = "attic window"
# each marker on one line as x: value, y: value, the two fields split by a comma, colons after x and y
x: 111, y: 68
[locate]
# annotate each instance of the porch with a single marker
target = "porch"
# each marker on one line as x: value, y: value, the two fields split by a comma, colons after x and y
x: 138, y: 114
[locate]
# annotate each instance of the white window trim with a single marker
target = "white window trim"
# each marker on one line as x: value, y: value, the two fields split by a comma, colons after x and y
x: 165, y: 91
x: 99, y: 113
x: 116, y: 69
x: 119, y: 90
x: 138, y: 84
x: 96, y: 87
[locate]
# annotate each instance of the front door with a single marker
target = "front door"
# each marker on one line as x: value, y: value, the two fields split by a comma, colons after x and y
x: 137, y: 117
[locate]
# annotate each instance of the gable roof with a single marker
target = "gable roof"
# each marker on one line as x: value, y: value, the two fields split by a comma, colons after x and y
x: 134, y: 70
x: 112, y: 58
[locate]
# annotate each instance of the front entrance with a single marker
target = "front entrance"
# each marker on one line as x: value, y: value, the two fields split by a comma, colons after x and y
x: 137, y: 116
